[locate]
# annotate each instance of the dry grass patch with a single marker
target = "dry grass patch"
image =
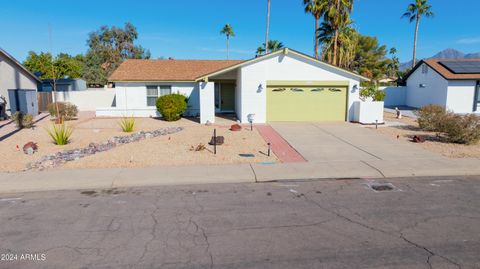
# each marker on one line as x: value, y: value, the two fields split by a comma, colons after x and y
x: 432, y: 143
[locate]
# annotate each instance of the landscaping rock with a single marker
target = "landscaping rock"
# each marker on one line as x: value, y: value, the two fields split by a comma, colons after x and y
x: 235, y: 128
x: 59, y: 158
x: 418, y: 139
x: 30, y: 148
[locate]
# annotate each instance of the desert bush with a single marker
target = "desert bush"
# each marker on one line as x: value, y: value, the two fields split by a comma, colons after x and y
x: 372, y: 92
x: 67, y: 111
x: 462, y: 129
x: 432, y: 118
x: 22, y: 120
x: 127, y: 124
x: 172, y: 106
x: 60, y: 133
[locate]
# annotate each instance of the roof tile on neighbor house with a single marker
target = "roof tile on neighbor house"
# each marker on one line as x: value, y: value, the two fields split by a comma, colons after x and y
x: 168, y: 70
x: 446, y: 73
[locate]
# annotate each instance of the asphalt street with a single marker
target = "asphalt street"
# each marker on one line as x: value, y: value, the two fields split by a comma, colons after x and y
x: 412, y: 223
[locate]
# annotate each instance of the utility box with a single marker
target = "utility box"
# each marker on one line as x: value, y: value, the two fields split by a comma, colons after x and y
x: 23, y: 100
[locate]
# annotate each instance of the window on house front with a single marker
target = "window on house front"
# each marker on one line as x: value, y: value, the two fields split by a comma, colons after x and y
x: 155, y: 91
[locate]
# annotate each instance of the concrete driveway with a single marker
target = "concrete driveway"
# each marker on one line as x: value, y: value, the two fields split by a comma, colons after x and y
x: 318, y: 142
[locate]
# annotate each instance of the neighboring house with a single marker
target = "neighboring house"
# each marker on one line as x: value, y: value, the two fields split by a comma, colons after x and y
x: 453, y: 84
x: 281, y: 86
x: 63, y: 85
x: 14, y: 76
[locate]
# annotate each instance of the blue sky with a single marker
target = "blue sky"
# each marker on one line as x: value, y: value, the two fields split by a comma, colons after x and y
x: 189, y: 29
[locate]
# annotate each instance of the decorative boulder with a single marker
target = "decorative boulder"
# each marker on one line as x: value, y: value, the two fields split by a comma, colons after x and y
x: 218, y: 141
x: 418, y: 139
x: 235, y: 127
x: 30, y: 148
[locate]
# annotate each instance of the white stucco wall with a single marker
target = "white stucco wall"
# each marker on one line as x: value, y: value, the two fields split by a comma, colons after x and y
x: 207, y: 101
x: 285, y: 67
x: 13, y: 77
x: 435, y: 91
x: 88, y: 100
x: 461, y: 95
x: 131, y: 99
x: 395, y: 96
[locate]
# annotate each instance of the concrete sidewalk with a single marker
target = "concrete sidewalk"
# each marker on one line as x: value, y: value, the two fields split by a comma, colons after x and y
x: 239, y: 173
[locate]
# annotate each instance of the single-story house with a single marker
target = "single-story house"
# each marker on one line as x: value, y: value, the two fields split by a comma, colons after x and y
x: 453, y: 84
x: 14, y: 76
x: 285, y: 85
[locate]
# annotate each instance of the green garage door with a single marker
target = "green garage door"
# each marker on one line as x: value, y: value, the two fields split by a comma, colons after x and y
x: 306, y: 103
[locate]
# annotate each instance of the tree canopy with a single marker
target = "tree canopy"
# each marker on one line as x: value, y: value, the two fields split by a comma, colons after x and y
x: 63, y: 65
x: 108, y: 48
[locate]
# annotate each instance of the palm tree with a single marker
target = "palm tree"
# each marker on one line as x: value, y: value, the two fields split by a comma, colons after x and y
x: 347, y: 41
x: 414, y: 12
x: 227, y: 30
x: 268, y: 24
x: 338, y: 15
x: 317, y: 8
x: 273, y: 45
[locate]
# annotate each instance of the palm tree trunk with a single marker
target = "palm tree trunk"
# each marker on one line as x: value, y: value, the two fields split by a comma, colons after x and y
x: 268, y: 26
x: 316, y: 36
x: 335, y: 48
x: 228, y: 52
x: 414, y: 61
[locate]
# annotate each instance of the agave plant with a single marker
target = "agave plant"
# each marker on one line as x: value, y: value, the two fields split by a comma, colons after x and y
x: 60, y: 133
x: 127, y: 124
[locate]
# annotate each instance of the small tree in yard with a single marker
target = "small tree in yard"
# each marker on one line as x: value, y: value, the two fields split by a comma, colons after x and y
x: 172, y: 106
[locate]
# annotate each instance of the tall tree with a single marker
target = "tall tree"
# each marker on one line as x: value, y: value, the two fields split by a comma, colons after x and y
x: 317, y: 8
x: 268, y: 24
x: 347, y: 42
x: 227, y: 30
x: 394, y: 65
x: 370, y: 60
x: 414, y: 12
x: 338, y: 15
x: 108, y: 48
x: 64, y: 65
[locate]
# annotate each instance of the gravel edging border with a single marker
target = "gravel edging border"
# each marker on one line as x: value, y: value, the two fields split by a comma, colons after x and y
x: 61, y: 157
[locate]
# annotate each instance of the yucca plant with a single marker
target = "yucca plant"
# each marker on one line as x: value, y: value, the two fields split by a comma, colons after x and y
x: 60, y: 133
x: 127, y: 124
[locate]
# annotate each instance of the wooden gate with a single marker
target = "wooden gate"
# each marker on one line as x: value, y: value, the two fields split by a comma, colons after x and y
x: 44, y: 99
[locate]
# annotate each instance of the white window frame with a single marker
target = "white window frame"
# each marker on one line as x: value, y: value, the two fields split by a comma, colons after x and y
x: 159, y: 93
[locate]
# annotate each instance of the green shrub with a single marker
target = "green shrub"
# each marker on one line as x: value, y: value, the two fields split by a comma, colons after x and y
x: 60, y: 134
x: 67, y: 111
x: 372, y: 92
x: 127, y: 124
x: 23, y: 120
x: 172, y: 106
x: 462, y: 129
x: 432, y: 118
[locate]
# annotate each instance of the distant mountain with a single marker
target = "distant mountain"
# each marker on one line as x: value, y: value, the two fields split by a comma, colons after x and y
x: 444, y: 54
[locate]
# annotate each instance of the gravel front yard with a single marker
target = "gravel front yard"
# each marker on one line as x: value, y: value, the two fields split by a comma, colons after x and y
x: 174, y: 149
x: 406, y: 128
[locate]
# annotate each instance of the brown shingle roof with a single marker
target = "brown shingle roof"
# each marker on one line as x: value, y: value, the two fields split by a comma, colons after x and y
x: 168, y: 70
x: 446, y: 73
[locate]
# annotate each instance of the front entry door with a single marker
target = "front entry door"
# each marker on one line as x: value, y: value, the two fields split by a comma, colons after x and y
x: 227, y: 97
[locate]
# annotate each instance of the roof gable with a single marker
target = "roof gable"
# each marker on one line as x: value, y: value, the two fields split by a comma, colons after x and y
x: 18, y: 64
x: 443, y: 71
x: 285, y: 51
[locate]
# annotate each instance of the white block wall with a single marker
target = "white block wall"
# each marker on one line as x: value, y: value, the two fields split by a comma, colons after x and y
x: 88, y: 100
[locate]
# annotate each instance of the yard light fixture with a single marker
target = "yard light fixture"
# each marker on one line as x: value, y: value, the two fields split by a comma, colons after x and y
x: 260, y: 88
x: 251, y: 118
